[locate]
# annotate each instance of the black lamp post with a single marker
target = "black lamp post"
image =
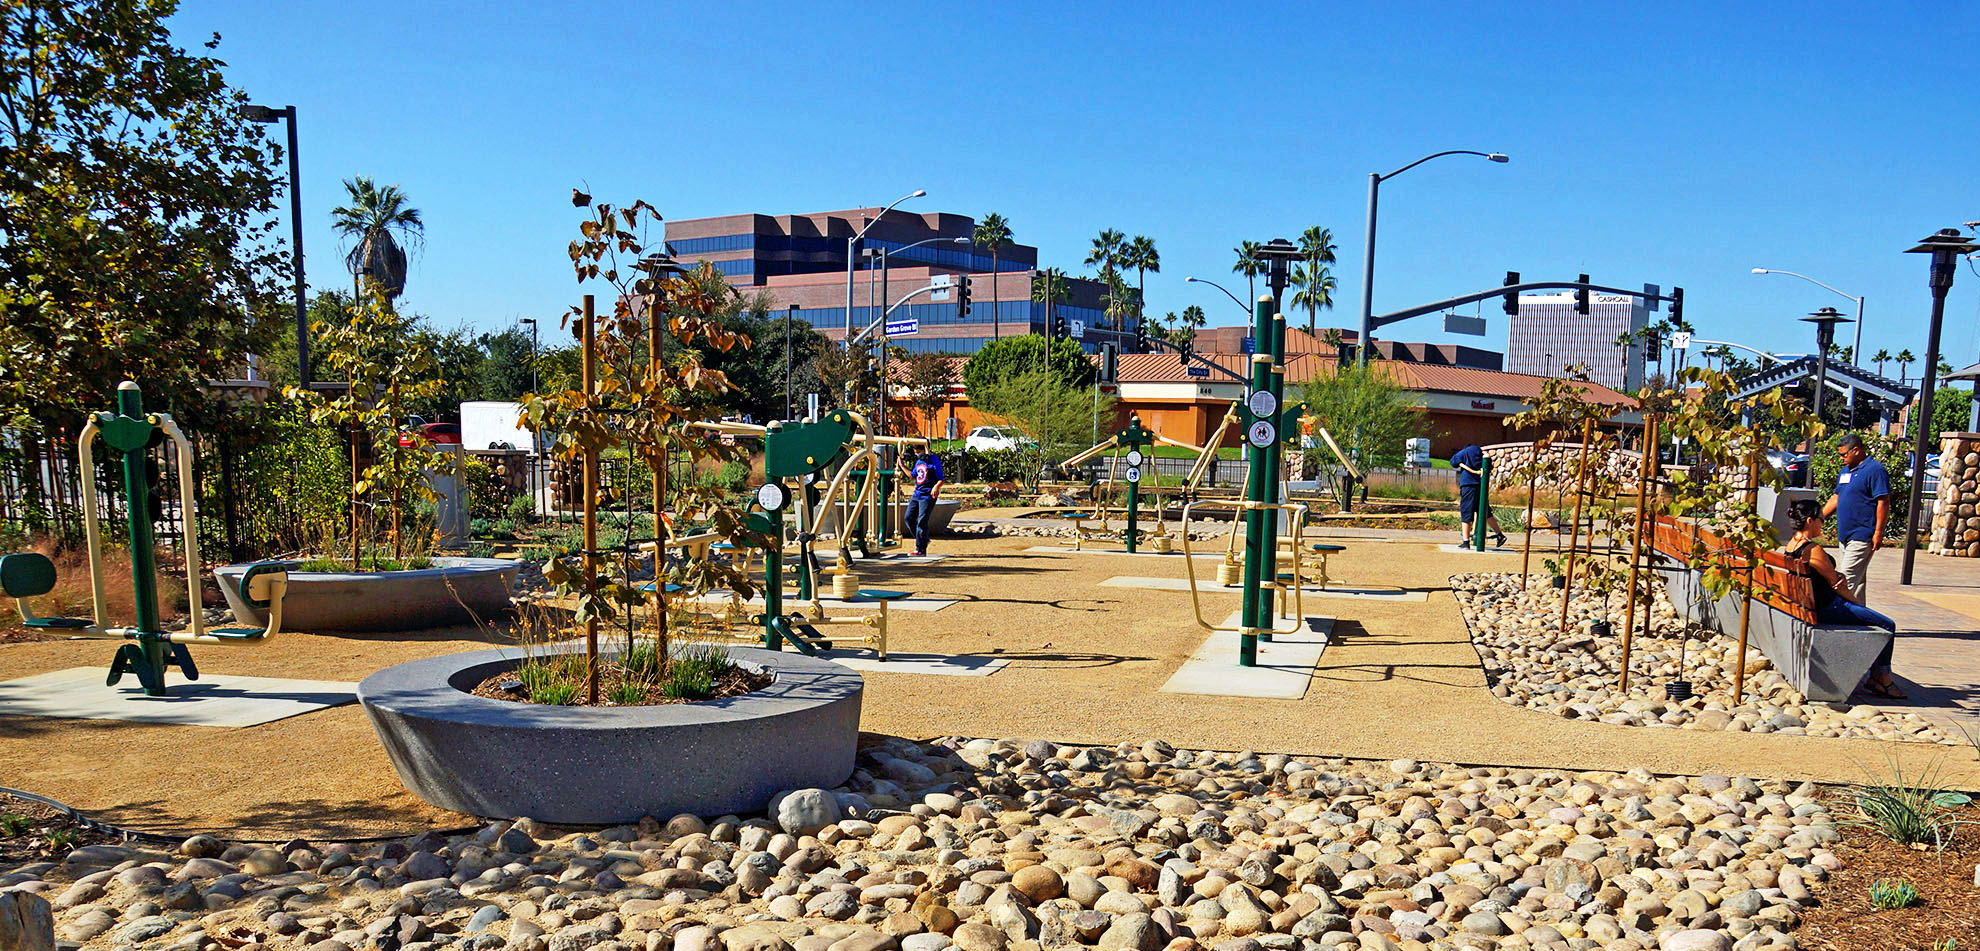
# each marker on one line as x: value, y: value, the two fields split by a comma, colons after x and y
x: 270, y: 114
x: 789, y: 319
x: 1946, y: 246
x: 535, y: 374
x: 1825, y: 321
x: 1278, y: 254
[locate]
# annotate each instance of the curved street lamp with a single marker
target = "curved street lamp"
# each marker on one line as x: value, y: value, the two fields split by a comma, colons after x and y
x: 852, y: 259
x: 270, y: 114
x: 1368, y: 259
x: 1856, y: 347
x: 1227, y: 293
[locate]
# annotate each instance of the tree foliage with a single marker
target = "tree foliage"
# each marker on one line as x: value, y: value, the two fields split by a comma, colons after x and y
x: 926, y: 377
x: 134, y: 203
x: 1056, y: 414
x: 1001, y: 360
x: 370, y: 222
x: 1366, y: 412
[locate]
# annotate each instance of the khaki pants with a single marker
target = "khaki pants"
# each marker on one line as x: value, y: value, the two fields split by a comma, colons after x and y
x: 1853, y: 563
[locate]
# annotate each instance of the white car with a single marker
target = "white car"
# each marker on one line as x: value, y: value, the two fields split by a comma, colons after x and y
x: 986, y: 438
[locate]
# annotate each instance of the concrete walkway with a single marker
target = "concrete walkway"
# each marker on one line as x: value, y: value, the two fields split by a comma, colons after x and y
x: 1937, y: 659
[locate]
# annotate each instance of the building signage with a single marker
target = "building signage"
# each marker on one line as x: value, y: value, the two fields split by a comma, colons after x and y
x: 904, y: 328
x: 1484, y: 404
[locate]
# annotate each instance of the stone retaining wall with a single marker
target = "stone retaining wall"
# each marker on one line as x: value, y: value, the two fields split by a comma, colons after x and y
x: 1956, y: 519
x: 1507, y: 459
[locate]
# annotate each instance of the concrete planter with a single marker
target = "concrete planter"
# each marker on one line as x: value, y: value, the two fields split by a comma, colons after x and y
x: 1825, y: 662
x: 609, y: 765
x: 453, y: 591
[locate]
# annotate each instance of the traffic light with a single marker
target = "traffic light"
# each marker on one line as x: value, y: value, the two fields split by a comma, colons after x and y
x: 1512, y: 297
x: 1182, y: 352
x: 1653, y: 347
x: 962, y: 299
x: 1058, y: 323
x: 1677, y: 306
x: 1581, y: 295
x: 1141, y: 334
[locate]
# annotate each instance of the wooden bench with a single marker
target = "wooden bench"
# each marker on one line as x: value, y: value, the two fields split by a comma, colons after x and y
x: 1823, y: 661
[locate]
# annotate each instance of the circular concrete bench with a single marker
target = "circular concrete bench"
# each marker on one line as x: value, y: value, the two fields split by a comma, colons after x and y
x: 454, y: 591
x: 610, y: 765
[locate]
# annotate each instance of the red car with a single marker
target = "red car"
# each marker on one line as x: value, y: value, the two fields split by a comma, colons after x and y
x: 439, y: 434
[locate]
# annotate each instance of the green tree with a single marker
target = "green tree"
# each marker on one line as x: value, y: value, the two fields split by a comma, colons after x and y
x: 135, y: 214
x: 1366, y: 412
x: 1880, y: 358
x: 1106, y: 251
x: 390, y: 369
x: 1049, y: 287
x: 926, y: 377
x: 506, y: 371
x: 1315, y: 278
x: 1120, y: 300
x: 369, y: 222
x: 1316, y: 285
x: 993, y: 232
x: 1142, y: 256
x: 1952, y: 409
x: 1011, y: 357
x: 1250, y: 265
x: 1904, y: 361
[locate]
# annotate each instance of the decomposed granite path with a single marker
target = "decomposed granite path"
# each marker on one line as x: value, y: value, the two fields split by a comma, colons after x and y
x: 1085, y: 664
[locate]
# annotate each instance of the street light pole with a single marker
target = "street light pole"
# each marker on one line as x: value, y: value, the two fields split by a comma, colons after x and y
x: 1946, y: 246
x: 852, y: 256
x: 267, y: 114
x: 1227, y: 293
x: 1368, y: 256
x: 535, y: 371
x: 1856, y: 347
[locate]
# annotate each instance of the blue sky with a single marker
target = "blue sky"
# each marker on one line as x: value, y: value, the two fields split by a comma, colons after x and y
x: 1676, y: 144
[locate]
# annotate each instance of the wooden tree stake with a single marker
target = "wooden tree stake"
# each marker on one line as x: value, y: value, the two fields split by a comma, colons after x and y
x: 1643, y: 524
x: 1574, y: 538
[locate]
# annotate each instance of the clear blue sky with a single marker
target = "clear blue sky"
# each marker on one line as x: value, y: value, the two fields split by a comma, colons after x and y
x: 1677, y: 144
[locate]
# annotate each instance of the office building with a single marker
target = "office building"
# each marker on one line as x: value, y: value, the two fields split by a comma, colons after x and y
x: 1547, y: 335
x: 799, y: 261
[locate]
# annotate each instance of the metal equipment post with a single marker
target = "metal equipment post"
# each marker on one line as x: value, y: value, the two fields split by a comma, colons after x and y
x: 591, y: 512
x: 1258, y: 540
x: 1484, y: 505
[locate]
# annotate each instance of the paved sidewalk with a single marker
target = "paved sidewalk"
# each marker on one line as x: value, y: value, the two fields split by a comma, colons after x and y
x: 1937, y: 659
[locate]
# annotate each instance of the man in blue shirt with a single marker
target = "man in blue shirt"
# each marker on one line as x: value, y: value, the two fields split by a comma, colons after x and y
x: 921, y: 505
x: 1470, y: 464
x: 1860, y: 507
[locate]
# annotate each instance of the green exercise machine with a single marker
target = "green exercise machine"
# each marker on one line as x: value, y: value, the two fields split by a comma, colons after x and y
x: 129, y: 433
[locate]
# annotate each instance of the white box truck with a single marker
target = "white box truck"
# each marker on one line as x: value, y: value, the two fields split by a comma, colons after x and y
x: 491, y: 424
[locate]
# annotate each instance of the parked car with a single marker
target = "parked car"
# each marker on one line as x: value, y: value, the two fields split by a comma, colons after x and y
x: 1792, y: 465
x: 986, y: 438
x: 439, y: 434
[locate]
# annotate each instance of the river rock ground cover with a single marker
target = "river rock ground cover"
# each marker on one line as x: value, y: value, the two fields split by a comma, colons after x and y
x: 1530, y: 663
x: 1006, y: 845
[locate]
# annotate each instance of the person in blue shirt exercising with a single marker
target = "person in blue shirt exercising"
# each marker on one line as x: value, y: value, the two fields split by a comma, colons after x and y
x: 921, y: 505
x: 1470, y: 465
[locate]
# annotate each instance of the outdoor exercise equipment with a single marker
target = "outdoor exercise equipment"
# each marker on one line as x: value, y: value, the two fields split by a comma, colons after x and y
x: 804, y: 451
x: 130, y: 432
x: 1134, y: 440
x: 1261, y: 506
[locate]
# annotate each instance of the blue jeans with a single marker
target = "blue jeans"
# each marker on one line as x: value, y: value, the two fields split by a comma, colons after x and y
x: 920, y: 512
x: 1839, y: 611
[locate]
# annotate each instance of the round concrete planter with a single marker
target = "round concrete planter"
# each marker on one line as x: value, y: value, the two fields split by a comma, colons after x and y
x: 610, y: 765
x: 453, y: 591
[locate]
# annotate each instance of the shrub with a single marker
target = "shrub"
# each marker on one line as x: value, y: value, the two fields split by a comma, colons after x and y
x: 521, y: 509
x: 1908, y: 812
x: 692, y: 674
x: 1890, y: 895
x: 488, y: 493
x: 993, y: 465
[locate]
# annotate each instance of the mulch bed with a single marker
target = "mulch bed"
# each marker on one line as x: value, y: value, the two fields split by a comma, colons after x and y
x: 733, y: 683
x: 32, y: 832
x: 1949, y: 909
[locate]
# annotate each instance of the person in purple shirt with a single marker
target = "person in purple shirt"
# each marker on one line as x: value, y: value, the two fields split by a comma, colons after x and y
x: 927, y: 476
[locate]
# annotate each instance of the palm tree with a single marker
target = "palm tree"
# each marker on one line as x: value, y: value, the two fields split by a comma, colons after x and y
x: 1904, y: 361
x: 1050, y: 288
x: 1193, y: 319
x: 369, y: 220
x: 1142, y: 256
x: 1120, y: 300
x: 1317, y: 287
x: 993, y: 232
x: 1250, y: 265
x: 1316, y: 290
x: 1880, y: 358
x: 1106, y: 250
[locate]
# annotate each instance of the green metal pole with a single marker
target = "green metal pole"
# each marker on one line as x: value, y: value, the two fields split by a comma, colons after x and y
x: 804, y: 578
x: 144, y: 567
x: 1484, y: 505
x: 1257, y: 522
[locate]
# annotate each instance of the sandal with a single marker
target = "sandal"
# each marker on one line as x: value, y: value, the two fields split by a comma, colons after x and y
x: 1887, y: 690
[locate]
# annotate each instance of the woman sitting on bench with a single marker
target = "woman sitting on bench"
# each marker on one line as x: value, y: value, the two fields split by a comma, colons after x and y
x: 1835, y: 603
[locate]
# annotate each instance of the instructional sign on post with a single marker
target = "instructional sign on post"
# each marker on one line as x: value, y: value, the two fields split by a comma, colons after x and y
x: 1262, y: 433
x: 1134, y: 474
x: 904, y: 328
